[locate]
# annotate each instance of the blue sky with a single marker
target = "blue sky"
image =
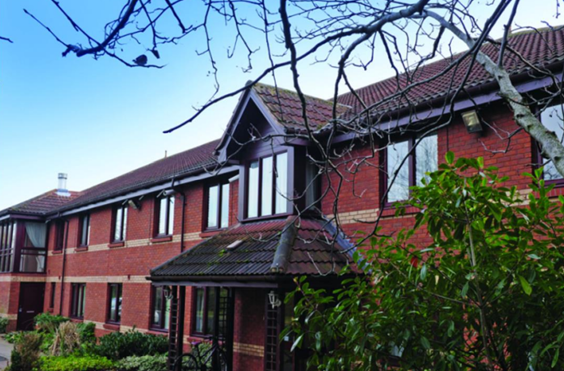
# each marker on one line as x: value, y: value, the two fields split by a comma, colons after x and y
x: 97, y: 119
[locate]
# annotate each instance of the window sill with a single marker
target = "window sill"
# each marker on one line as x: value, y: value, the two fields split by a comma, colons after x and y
x: 77, y: 319
x: 211, y: 232
x: 157, y: 331
x: 159, y: 239
x: 57, y: 252
x: 267, y: 217
x: 112, y: 326
x: 81, y: 249
x: 116, y: 244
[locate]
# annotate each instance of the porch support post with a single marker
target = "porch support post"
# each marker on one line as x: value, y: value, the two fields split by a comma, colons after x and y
x: 172, y: 329
x: 180, y: 333
x: 215, y: 340
x: 230, y: 320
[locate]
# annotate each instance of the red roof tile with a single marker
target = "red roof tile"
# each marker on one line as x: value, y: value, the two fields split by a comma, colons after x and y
x: 539, y: 48
x: 182, y: 164
x: 42, y: 204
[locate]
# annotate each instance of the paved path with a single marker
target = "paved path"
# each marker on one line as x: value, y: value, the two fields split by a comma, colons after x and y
x: 5, y: 351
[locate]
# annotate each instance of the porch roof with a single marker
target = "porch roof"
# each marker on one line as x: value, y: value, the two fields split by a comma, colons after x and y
x: 278, y: 248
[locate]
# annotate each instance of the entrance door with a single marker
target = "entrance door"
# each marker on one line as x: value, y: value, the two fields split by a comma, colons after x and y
x: 31, y: 304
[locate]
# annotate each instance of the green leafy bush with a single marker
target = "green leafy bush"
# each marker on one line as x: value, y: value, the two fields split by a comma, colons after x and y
x: 86, y: 332
x: 46, y: 322
x: 119, y: 345
x: 143, y: 363
x: 76, y: 363
x: 25, y: 356
x: 13, y: 337
x: 3, y: 325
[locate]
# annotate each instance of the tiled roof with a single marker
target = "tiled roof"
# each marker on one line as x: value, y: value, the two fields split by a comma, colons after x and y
x: 42, y: 204
x: 185, y: 163
x: 284, y: 247
x: 286, y: 107
x: 539, y: 48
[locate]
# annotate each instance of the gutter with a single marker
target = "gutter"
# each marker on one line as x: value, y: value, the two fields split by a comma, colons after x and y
x: 145, y: 191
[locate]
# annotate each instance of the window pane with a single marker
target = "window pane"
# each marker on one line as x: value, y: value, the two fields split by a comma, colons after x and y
x: 213, y: 196
x: 281, y: 183
x: 117, y: 226
x: 83, y: 300
x: 253, y: 195
x: 35, y: 235
x: 210, y: 310
x: 157, y: 305
x: 552, y: 118
x: 199, y: 323
x: 167, y: 314
x: 266, y: 196
x: 113, y: 302
x: 124, y: 231
x: 85, y: 230
x: 399, y: 190
x: 31, y: 262
x: 224, y: 205
x: 426, y: 158
x: 170, y: 215
x: 162, y: 216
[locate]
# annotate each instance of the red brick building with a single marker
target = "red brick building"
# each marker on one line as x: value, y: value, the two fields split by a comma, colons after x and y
x: 222, y: 229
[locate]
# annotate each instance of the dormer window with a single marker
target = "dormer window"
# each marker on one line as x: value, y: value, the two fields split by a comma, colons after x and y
x: 218, y: 206
x: 268, y: 186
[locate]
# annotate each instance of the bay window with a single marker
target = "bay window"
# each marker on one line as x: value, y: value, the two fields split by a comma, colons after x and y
x: 7, y: 245
x: 267, y: 190
x: 165, y: 216
x: 33, y: 251
x: 218, y: 206
x: 417, y: 163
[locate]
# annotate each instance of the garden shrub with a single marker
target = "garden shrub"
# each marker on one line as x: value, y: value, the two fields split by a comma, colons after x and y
x: 13, y: 337
x: 3, y: 325
x: 76, y: 363
x: 67, y: 339
x: 49, y: 323
x: 86, y: 332
x: 143, y: 363
x: 119, y: 345
x: 25, y: 356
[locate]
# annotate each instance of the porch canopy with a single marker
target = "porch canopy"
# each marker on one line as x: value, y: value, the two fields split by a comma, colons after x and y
x: 260, y: 254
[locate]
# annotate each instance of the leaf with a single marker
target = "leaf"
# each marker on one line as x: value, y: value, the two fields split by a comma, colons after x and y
x: 425, y: 342
x: 449, y: 157
x: 464, y: 290
x: 423, y: 273
x: 534, y: 256
x: 555, y: 358
x: 525, y: 285
x: 297, y: 343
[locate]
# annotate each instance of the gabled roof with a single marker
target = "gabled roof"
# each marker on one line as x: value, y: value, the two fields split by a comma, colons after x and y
x: 281, y: 247
x: 540, y: 48
x: 286, y: 106
x: 41, y: 205
x: 180, y: 165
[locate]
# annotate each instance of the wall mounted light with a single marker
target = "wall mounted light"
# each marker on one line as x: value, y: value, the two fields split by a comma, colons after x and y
x: 472, y: 121
x: 274, y: 300
x: 167, y: 291
x: 134, y: 204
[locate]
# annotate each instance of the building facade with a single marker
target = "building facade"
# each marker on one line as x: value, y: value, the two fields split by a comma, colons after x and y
x: 206, y: 242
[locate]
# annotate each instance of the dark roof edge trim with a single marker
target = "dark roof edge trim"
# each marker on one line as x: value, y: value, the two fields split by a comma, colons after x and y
x: 249, y: 95
x: 492, y: 96
x: 15, y: 215
x: 230, y: 282
x: 126, y: 196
